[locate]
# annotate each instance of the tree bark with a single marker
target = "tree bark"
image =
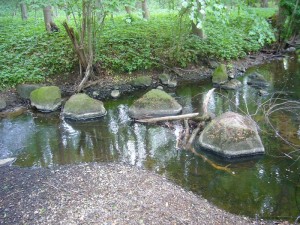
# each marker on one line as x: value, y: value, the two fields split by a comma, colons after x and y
x: 264, y: 4
x: 24, y: 11
x: 198, y: 32
x: 47, y: 10
x: 146, y: 13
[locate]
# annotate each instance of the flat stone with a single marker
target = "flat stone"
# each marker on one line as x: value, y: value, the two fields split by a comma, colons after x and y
x: 115, y: 94
x: 7, y: 161
x: 142, y: 81
x: 233, y: 84
x: 232, y: 135
x: 83, y: 107
x: 2, y: 104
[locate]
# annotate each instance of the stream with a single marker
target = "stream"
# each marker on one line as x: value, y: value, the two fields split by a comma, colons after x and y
x: 267, y: 186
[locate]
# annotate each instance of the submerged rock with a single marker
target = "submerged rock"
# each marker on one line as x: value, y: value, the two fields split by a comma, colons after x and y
x: 232, y: 135
x: 153, y: 104
x: 220, y: 75
x: 143, y: 81
x: 2, y: 104
x: 257, y: 80
x: 232, y: 84
x: 7, y: 161
x: 83, y: 107
x: 46, y: 98
x: 24, y: 90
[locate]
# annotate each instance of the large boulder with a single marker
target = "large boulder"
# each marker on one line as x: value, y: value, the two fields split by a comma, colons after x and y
x: 142, y: 81
x: 220, y: 75
x: 24, y: 90
x: 153, y: 104
x: 257, y: 80
x: 46, y: 98
x: 2, y: 104
x: 83, y: 107
x: 232, y: 135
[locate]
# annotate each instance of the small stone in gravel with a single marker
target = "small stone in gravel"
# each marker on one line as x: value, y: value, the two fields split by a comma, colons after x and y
x: 115, y: 93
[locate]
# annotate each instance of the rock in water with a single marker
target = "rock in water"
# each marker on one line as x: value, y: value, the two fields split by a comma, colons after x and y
x: 83, y: 107
x: 46, y: 98
x: 232, y: 135
x: 154, y: 103
x: 2, y: 104
x: 220, y: 75
x: 7, y: 161
x: 233, y: 84
x: 257, y: 80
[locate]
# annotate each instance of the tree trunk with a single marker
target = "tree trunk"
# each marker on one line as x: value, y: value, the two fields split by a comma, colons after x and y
x: 24, y: 11
x: 128, y: 10
x: 146, y: 14
x: 198, y: 32
x: 264, y: 4
x: 47, y: 10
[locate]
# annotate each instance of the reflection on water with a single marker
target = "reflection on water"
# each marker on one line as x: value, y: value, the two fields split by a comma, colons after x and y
x: 267, y: 186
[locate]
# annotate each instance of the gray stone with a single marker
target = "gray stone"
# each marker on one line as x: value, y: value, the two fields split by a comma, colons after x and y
x: 262, y: 93
x: 233, y: 84
x: 160, y: 88
x: 142, y: 81
x: 232, y: 135
x: 46, y: 98
x: 213, y: 64
x: 220, y: 75
x: 115, y: 94
x: 172, y: 83
x: 291, y: 49
x: 2, y: 104
x: 24, y: 90
x: 83, y: 107
x: 154, y: 103
x: 95, y: 94
x: 257, y: 80
x: 7, y: 161
x: 164, y: 78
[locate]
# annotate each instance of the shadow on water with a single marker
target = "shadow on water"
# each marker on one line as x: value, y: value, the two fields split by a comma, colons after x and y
x: 267, y: 186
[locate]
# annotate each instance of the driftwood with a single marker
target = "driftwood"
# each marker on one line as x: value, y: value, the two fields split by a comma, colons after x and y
x: 165, y: 118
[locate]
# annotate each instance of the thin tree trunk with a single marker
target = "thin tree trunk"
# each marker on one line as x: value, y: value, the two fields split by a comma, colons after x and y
x: 24, y: 11
x: 47, y: 10
x: 128, y: 10
x: 146, y: 13
x: 264, y: 4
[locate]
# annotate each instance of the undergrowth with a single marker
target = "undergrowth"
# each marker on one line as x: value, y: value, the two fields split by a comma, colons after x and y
x: 127, y: 44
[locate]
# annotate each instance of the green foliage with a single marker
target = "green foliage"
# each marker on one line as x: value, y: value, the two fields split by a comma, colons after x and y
x: 29, y: 54
x: 291, y: 17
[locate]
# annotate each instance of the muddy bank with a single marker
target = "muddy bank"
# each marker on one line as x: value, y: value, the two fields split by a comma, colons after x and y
x: 102, y: 194
x: 102, y: 88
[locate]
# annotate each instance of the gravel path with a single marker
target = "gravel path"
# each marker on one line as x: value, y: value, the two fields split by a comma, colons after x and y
x: 101, y: 194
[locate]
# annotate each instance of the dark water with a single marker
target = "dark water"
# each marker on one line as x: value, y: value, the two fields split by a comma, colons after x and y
x: 267, y: 186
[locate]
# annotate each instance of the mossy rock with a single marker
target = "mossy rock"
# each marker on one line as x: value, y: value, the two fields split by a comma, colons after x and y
x: 143, y: 81
x: 153, y: 104
x: 83, y: 107
x: 220, y: 75
x: 46, y: 98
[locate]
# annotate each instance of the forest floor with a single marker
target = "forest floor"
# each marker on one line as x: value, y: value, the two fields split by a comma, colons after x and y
x: 100, y: 193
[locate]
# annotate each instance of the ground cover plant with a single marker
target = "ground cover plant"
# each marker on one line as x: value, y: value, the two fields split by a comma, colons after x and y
x: 127, y: 43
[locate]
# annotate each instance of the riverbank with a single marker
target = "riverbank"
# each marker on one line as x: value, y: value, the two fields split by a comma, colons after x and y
x: 99, y: 193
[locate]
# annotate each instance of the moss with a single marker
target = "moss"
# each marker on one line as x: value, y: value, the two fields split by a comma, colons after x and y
x: 220, y: 75
x: 142, y: 81
x: 155, y: 99
x: 80, y: 103
x: 46, y: 95
x: 164, y: 78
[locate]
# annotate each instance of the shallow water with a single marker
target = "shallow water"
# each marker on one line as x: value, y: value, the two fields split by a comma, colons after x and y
x: 267, y: 186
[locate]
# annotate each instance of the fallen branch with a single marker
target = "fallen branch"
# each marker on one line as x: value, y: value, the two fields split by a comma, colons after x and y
x: 158, y: 119
x: 187, y: 131
x: 206, y: 100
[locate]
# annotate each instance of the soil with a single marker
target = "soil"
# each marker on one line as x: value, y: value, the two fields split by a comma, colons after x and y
x: 102, y: 194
